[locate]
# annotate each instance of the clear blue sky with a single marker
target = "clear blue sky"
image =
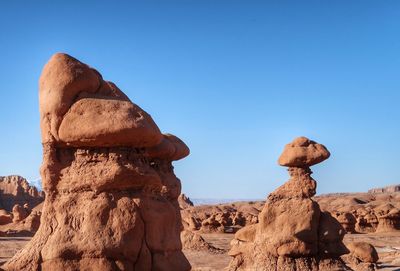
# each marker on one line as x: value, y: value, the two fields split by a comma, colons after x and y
x: 236, y: 80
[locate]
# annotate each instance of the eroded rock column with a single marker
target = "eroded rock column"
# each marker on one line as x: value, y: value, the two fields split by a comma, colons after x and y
x: 111, y: 193
x: 292, y: 233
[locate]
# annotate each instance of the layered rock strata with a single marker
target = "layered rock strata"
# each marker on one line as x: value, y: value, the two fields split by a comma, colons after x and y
x: 111, y: 192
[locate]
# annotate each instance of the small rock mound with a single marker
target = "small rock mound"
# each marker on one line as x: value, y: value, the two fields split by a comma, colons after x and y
x: 194, y: 241
x: 362, y: 257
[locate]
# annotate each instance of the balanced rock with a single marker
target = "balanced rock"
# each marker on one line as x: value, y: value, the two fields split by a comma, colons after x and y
x: 292, y: 232
x: 111, y: 192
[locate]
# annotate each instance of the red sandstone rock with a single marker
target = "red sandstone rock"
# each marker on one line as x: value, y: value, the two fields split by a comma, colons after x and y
x: 78, y: 108
x: 184, y: 201
x: 388, y: 218
x: 21, y: 222
x: 363, y: 251
x: 19, y: 213
x: 303, y: 152
x: 347, y: 220
x: 292, y: 232
x: 5, y: 217
x: 111, y: 202
x: 16, y: 190
x: 194, y: 241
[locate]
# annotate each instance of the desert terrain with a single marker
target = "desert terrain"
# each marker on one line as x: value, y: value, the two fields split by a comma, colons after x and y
x: 111, y: 199
x: 217, y: 236
x: 386, y: 244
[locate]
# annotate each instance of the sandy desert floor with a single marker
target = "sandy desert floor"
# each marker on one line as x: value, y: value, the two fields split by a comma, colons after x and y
x: 387, y: 245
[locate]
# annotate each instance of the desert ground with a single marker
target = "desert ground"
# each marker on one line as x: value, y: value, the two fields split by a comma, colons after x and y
x: 387, y: 245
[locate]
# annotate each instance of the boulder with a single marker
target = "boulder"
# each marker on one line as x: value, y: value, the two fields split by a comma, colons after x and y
x: 19, y: 213
x: 302, y: 152
x: 184, y: 201
x: 363, y: 251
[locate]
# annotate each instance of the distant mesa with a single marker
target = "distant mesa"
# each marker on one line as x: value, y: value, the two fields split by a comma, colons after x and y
x: 111, y: 192
x: 387, y: 189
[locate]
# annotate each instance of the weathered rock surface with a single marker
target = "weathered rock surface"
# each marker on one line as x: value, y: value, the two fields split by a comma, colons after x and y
x: 194, y: 241
x: 363, y: 251
x: 22, y: 221
x: 292, y: 232
x: 368, y: 212
x: 111, y: 193
x: 356, y: 212
x: 222, y: 217
x: 184, y: 201
x: 302, y: 152
x: 362, y: 256
x: 15, y: 189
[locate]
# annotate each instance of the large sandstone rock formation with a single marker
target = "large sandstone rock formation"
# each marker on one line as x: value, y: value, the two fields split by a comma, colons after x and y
x: 15, y: 189
x: 292, y: 233
x: 111, y: 193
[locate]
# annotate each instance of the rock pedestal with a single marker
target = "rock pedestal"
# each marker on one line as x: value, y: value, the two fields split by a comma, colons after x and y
x: 292, y: 233
x: 111, y: 193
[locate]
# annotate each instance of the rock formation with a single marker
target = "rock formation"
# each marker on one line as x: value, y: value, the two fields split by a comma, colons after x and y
x: 16, y: 190
x: 22, y: 221
x: 194, y: 241
x: 387, y: 189
x: 111, y: 193
x: 292, y: 233
x: 362, y: 256
x: 347, y: 220
x: 220, y: 218
x: 184, y: 201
